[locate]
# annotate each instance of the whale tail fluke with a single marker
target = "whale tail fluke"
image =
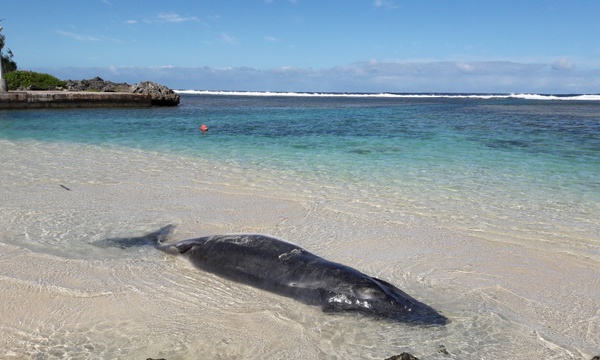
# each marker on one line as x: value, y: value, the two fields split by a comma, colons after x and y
x: 155, y: 238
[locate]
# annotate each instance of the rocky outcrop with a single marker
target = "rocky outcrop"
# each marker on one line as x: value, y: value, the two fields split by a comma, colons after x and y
x: 96, y: 84
x: 160, y: 94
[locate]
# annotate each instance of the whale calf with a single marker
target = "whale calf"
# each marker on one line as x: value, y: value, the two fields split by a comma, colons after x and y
x: 286, y: 269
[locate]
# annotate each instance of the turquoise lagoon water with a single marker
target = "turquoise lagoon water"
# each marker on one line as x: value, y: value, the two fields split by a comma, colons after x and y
x: 485, y: 207
x: 509, y: 168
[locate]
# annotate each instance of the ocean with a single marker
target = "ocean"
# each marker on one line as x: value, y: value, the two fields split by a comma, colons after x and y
x: 486, y: 207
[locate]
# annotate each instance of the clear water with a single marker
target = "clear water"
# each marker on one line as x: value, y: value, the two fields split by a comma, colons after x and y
x: 475, y: 205
x: 531, y: 166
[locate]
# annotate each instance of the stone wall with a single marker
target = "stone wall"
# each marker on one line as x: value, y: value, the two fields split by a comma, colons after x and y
x: 94, y: 92
x: 69, y: 99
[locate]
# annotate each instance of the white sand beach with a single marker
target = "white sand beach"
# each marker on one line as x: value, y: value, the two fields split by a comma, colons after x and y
x: 63, y: 297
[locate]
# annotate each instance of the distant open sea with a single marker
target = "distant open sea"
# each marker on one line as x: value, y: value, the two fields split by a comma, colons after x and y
x: 513, y: 170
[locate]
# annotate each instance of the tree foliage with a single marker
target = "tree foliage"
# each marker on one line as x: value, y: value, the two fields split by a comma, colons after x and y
x: 8, y: 64
x: 32, y: 80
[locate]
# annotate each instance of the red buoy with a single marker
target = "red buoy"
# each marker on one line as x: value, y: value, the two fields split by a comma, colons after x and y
x: 203, y: 128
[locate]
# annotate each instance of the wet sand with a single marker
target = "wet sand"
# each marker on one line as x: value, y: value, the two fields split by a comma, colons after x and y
x: 63, y: 297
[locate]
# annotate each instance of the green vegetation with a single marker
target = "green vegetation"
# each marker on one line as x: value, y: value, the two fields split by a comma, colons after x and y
x: 32, y: 80
x: 7, y: 59
x: 7, y: 63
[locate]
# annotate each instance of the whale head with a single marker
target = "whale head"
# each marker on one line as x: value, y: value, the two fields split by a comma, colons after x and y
x: 381, y: 299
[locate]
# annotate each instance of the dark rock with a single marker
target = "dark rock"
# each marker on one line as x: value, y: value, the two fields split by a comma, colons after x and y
x: 597, y: 357
x: 442, y: 350
x: 96, y: 84
x: 403, y: 356
x: 161, y: 95
x: 33, y: 87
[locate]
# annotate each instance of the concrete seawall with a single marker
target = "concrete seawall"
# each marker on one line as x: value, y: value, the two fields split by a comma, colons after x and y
x: 69, y: 99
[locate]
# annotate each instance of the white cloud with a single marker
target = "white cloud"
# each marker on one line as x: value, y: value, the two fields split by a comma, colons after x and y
x: 174, y: 18
x: 226, y: 38
x: 78, y: 37
x: 563, y: 64
x: 371, y: 76
x: 389, y: 4
x: 165, y: 18
x: 465, y: 67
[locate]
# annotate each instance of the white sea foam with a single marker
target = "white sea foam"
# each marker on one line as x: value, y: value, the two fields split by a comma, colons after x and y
x: 582, y: 97
x: 578, y: 97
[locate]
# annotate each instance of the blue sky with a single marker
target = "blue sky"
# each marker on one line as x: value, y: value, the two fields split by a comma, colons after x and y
x: 509, y: 46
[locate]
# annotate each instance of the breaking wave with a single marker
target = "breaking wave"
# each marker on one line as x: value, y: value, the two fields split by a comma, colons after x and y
x: 572, y: 97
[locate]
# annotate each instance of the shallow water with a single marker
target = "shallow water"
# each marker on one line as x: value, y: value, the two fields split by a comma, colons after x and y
x: 465, y: 205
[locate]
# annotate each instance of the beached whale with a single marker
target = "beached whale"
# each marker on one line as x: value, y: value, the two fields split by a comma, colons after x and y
x: 283, y: 268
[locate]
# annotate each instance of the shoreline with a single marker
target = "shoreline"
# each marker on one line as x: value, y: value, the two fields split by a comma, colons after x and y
x: 495, y: 231
x: 14, y: 100
x: 469, y: 281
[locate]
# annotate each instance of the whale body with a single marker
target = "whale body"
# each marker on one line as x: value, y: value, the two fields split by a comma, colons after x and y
x: 278, y: 266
